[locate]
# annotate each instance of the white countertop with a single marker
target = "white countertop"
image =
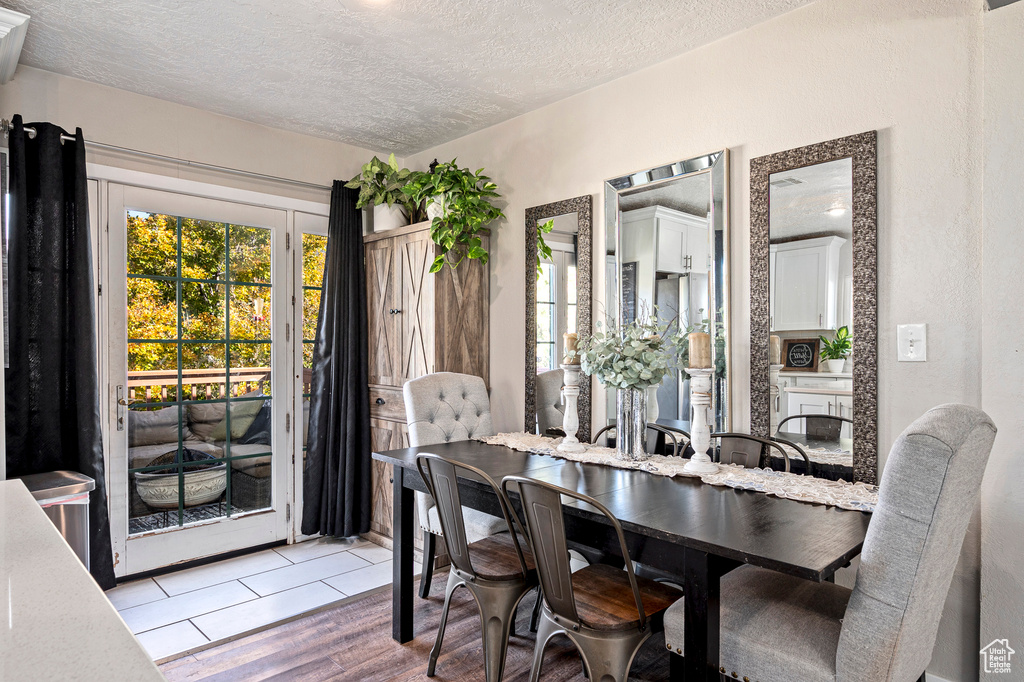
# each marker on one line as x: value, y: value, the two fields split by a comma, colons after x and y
x: 55, y: 622
x: 827, y: 375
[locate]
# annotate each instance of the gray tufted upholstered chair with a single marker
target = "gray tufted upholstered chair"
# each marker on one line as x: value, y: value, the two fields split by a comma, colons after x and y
x: 550, y: 411
x: 441, y: 408
x: 776, y: 627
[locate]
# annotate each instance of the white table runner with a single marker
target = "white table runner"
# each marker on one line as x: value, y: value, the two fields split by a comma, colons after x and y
x: 852, y: 496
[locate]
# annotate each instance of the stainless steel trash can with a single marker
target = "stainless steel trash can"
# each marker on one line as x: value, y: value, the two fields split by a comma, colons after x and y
x: 64, y: 496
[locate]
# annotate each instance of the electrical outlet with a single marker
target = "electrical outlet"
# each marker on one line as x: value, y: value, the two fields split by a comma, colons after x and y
x: 912, y: 343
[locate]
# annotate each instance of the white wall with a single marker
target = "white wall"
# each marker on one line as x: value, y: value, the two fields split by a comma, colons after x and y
x: 125, y: 119
x: 909, y: 69
x: 1002, y: 507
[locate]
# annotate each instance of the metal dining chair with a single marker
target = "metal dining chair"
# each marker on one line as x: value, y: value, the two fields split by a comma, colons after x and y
x: 495, y: 570
x: 819, y: 426
x: 605, y: 612
x: 441, y: 408
x: 654, y: 427
x: 779, y: 627
x: 749, y: 451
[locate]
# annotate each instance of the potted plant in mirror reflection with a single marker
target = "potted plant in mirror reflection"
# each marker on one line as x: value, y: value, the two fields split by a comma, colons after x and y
x: 835, y: 351
x: 459, y: 203
x: 380, y: 185
x: 630, y: 359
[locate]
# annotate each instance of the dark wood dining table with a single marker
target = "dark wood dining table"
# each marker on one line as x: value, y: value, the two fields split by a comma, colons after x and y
x: 677, y: 525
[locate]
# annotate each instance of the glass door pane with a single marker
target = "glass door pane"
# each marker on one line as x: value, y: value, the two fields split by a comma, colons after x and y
x: 199, y: 370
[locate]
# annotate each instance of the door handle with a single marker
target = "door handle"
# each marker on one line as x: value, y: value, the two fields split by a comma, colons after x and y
x: 125, y: 402
x: 122, y: 404
x: 820, y: 317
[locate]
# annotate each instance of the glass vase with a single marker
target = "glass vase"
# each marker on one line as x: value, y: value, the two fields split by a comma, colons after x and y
x: 631, y: 424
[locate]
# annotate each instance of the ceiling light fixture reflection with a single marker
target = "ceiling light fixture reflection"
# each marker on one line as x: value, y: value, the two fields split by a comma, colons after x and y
x: 836, y: 212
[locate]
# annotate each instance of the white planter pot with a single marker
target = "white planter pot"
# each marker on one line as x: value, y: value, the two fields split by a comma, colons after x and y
x: 836, y: 366
x: 385, y: 218
x: 435, y: 209
x: 201, y: 487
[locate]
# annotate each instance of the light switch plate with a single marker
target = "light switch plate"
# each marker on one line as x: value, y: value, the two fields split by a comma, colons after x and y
x: 912, y: 342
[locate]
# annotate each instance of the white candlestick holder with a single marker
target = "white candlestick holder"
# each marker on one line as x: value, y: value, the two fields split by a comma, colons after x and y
x: 571, y: 417
x: 774, y: 396
x: 700, y: 433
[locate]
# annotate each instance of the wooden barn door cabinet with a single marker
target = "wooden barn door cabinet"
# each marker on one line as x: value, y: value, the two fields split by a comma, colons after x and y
x: 418, y: 323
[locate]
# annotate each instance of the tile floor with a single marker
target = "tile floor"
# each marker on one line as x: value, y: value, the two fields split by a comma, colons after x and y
x: 179, y: 611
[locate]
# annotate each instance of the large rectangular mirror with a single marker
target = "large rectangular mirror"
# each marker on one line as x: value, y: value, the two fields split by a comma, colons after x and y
x: 558, y: 301
x: 813, y: 305
x: 670, y: 252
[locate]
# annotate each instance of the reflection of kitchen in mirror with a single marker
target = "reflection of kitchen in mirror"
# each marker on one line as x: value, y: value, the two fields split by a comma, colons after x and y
x: 556, y: 292
x: 666, y: 263
x: 811, y: 303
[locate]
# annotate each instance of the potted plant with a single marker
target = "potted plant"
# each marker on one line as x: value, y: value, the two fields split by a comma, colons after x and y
x: 465, y: 209
x: 836, y: 351
x: 380, y: 186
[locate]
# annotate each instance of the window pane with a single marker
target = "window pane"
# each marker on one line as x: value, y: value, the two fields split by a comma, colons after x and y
x: 250, y: 368
x: 202, y: 311
x: 250, y: 312
x: 152, y: 309
x: 250, y: 253
x: 545, y: 357
x: 314, y: 255
x: 203, y: 371
x: 545, y: 322
x: 152, y: 244
x: 202, y: 249
x: 153, y: 372
x: 545, y: 290
x: 310, y: 313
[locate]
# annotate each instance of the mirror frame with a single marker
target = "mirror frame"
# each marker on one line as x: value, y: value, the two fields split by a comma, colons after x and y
x: 862, y: 149
x: 716, y: 165
x: 582, y: 206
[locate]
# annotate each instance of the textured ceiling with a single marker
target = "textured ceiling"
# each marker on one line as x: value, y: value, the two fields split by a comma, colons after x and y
x: 396, y: 75
x: 801, y: 210
x: 691, y: 195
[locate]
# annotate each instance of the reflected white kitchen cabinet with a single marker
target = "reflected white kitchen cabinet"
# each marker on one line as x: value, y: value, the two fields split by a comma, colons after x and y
x: 679, y: 240
x: 805, y: 287
x: 818, y: 400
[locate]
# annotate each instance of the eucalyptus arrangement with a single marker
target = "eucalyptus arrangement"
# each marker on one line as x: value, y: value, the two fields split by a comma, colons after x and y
x: 465, y: 199
x: 382, y: 182
x: 636, y: 356
x: 838, y: 349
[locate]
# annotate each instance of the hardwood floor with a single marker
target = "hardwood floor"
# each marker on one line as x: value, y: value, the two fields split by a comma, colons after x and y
x: 353, y: 642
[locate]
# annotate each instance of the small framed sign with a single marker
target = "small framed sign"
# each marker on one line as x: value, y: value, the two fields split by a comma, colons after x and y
x: 800, y: 355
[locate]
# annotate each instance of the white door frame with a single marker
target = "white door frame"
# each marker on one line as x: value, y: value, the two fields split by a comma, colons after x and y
x: 165, y: 547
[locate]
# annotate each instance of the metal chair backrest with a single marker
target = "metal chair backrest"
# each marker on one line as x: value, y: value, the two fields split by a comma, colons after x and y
x: 670, y: 432
x: 746, y: 450
x: 545, y: 524
x: 441, y: 478
x: 819, y: 426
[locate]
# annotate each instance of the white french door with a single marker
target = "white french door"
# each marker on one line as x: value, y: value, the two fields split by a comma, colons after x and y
x: 202, y: 347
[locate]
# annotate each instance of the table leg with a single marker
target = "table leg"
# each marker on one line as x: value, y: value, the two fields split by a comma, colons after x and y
x: 701, y: 616
x: 402, y: 567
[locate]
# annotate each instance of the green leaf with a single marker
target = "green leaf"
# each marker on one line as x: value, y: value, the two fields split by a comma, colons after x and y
x: 437, y: 264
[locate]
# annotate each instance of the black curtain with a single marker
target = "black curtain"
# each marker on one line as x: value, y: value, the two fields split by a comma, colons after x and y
x: 52, y: 385
x: 336, y: 480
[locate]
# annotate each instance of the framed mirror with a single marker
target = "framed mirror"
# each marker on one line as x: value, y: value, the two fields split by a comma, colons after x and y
x: 669, y: 250
x: 558, y: 301
x: 812, y: 284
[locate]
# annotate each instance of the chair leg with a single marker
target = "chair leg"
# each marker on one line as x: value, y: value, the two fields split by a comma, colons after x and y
x: 676, y: 668
x: 923, y: 677
x: 546, y: 629
x: 535, y: 616
x: 427, y: 573
x: 497, y: 613
x: 454, y: 582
